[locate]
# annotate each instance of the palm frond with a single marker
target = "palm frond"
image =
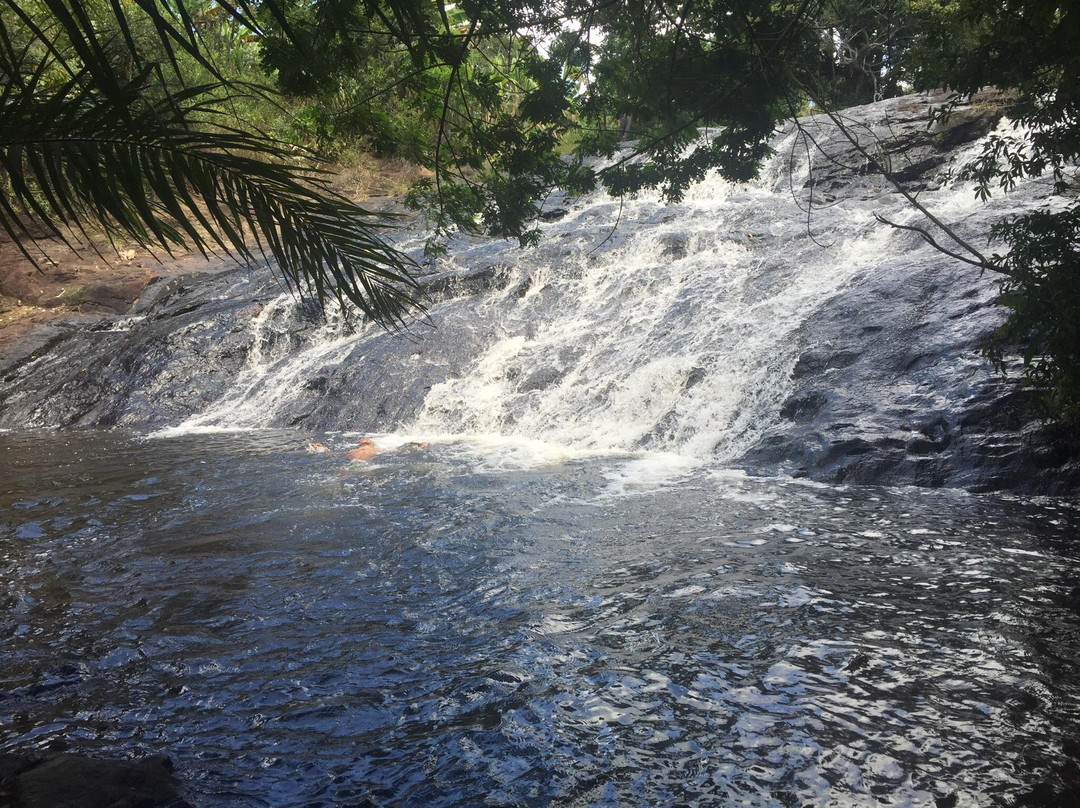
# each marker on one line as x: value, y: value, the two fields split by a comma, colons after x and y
x: 80, y: 143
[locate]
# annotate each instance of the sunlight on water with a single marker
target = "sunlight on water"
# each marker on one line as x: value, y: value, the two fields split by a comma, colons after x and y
x: 499, y: 620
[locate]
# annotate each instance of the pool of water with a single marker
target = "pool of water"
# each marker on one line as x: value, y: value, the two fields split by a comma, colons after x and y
x: 500, y: 624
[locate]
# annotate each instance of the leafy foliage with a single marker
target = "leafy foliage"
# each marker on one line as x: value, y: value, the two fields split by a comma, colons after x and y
x: 508, y: 85
x: 1041, y: 287
x: 866, y: 45
x: 91, y: 130
x: 470, y: 91
x: 1030, y: 48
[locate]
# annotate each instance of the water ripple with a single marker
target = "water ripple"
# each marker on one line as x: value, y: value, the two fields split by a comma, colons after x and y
x: 297, y: 633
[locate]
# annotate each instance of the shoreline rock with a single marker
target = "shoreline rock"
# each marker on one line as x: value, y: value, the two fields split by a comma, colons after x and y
x: 65, y: 780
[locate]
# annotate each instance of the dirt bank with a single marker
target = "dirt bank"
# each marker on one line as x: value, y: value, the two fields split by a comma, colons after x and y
x: 67, y: 283
x: 102, y: 279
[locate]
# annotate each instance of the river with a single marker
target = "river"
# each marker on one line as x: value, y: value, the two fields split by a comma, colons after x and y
x: 501, y: 621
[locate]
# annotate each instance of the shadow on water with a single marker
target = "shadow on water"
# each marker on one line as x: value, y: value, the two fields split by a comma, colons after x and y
x: 430, y: 630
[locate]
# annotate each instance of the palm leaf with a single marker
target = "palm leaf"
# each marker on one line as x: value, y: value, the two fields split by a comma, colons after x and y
x: 94, y: 148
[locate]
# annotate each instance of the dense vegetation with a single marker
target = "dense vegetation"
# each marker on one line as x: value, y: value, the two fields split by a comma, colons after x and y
x: 137, y: 118
x: 200, y: 111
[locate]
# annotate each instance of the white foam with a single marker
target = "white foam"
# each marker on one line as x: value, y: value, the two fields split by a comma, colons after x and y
x: 487, y: 452
x: 196, y: 429
x: 648, y: 471
x: 275, y: 371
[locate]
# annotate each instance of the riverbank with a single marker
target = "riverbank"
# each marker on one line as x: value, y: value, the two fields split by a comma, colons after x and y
x: 68, y: 284
x: 101, y: 279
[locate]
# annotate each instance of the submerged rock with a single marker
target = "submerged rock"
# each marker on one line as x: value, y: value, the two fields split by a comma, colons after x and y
x: 74, y: 781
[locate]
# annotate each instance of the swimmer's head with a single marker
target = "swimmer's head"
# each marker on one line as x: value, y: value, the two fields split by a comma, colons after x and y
x: 366, y: 442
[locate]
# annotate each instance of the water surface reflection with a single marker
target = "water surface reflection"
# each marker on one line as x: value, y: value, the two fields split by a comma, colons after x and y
x: 434, y: 630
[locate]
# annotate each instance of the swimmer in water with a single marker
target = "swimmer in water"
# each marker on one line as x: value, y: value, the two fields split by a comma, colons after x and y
x: 365, y: 450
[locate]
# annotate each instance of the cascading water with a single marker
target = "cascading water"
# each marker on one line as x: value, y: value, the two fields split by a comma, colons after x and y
x: 677, y: 337
x: 276, y: 367
x: 634, y: 325
x: 777, y: 326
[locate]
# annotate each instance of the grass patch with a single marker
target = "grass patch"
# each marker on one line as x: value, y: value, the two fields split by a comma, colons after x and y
x: 362, y: 176
x: 72, y: 298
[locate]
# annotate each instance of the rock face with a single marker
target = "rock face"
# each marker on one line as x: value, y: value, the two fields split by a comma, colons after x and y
x: 778, y: 327
x: 909, y: 399
x: 187, y: 339
x: 72, y: 781
x: 891, y: 385
x: 175, y: 350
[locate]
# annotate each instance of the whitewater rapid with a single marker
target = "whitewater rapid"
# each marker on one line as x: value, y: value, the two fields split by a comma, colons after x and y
x: 634, y: 325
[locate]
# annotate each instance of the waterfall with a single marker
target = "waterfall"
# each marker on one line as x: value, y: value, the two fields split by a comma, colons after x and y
x: 677, y: 335
x: 277, y: 367
x: 633, y: 325
x: 775, y: 325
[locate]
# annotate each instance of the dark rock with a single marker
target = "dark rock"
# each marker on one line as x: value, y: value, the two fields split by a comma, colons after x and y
x: 900, y: 143
x: 447, y: 285
x: 42, y: 339
x: 913, y: 173
x: 965, y: 126
x: 913, y: 402
x: 814, y: 362
x: 112, y: 297
x: 695, y: 377
x: 74, y: 781
x: 798, y: 408
x: 675, y: 246
x: 540, y: 379
x: 553, y: 215
x: 12, y: 764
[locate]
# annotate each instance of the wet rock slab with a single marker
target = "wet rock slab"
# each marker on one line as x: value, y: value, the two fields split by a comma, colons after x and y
x: 74, y: 781
x: 889, y: 386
